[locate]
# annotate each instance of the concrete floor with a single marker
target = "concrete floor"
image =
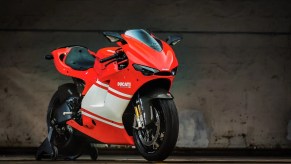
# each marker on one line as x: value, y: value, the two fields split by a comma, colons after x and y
x: 139, y: 159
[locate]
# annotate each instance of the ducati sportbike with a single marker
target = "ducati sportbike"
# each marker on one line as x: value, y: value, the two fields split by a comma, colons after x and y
x: 119, y: 95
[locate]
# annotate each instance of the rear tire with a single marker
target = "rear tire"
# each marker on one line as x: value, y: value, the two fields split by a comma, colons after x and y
x: 156, y: 143
x: 64, y: 138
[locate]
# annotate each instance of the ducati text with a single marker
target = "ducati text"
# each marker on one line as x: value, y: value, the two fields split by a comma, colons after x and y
x: 124, y: 84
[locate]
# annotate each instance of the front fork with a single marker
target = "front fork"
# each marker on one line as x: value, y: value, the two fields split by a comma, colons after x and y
x: 139, y: 123
x: 143, y: 113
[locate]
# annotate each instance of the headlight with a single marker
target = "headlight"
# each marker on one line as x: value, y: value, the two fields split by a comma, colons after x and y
x: 147, y: 71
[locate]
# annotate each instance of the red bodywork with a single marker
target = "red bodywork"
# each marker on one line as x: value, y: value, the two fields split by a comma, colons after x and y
x: 137, y: 53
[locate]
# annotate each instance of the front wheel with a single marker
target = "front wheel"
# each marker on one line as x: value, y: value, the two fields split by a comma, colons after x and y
x: 157, y: 140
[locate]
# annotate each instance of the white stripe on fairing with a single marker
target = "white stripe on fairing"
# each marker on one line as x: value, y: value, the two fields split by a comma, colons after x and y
x: 102, y: 103
x: 113, y: 90
x: 102, y: 84
x: 104, y: 121
x: 120, y: 93
x: 110, y: 51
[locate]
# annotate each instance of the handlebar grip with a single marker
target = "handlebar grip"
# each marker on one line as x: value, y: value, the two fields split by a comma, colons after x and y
x: 108, y: 58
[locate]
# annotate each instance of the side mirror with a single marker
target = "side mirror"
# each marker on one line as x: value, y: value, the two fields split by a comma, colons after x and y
x: 173, y: 39
x: 113, y: 36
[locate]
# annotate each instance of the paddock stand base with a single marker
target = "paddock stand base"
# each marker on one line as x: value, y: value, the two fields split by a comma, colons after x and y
x: 46, y: 149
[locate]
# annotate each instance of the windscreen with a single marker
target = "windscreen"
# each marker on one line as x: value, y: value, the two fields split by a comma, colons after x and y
x: 144, y: 37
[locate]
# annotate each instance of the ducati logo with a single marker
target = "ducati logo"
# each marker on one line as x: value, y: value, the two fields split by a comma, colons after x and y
x: 124, y: 84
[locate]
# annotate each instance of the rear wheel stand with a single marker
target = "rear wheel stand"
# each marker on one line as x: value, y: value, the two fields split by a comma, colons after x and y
x: 46, y: 149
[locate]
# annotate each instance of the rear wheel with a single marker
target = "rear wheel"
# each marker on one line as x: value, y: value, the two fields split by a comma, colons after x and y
x: 64, y: 137
x: 157, y: 140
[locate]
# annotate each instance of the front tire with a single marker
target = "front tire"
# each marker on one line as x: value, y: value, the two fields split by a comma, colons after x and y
x: 157, y: 140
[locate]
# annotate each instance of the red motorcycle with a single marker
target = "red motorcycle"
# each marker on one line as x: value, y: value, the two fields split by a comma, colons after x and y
x: 119, y: 95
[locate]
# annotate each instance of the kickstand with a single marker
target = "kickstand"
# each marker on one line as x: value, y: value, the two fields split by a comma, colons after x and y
x: 46, y: 149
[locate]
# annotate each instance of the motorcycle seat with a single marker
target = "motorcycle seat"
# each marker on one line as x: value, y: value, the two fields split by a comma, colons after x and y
x: 79, y: 58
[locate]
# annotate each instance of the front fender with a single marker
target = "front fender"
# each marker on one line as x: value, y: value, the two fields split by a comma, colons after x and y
x: 161, y: 95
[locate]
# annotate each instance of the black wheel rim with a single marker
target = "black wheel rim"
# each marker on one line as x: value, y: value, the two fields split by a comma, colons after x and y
x: 152, y: 136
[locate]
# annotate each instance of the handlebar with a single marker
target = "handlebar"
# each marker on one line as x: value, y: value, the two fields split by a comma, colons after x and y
x: 109, y: 58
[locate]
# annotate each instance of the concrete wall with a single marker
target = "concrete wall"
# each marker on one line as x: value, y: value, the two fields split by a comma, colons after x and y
x: 233, y: 88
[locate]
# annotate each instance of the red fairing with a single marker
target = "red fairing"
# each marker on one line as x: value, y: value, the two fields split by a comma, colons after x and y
x: 103, y: 132
x: 142, y: 54
x: 137, y: 53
